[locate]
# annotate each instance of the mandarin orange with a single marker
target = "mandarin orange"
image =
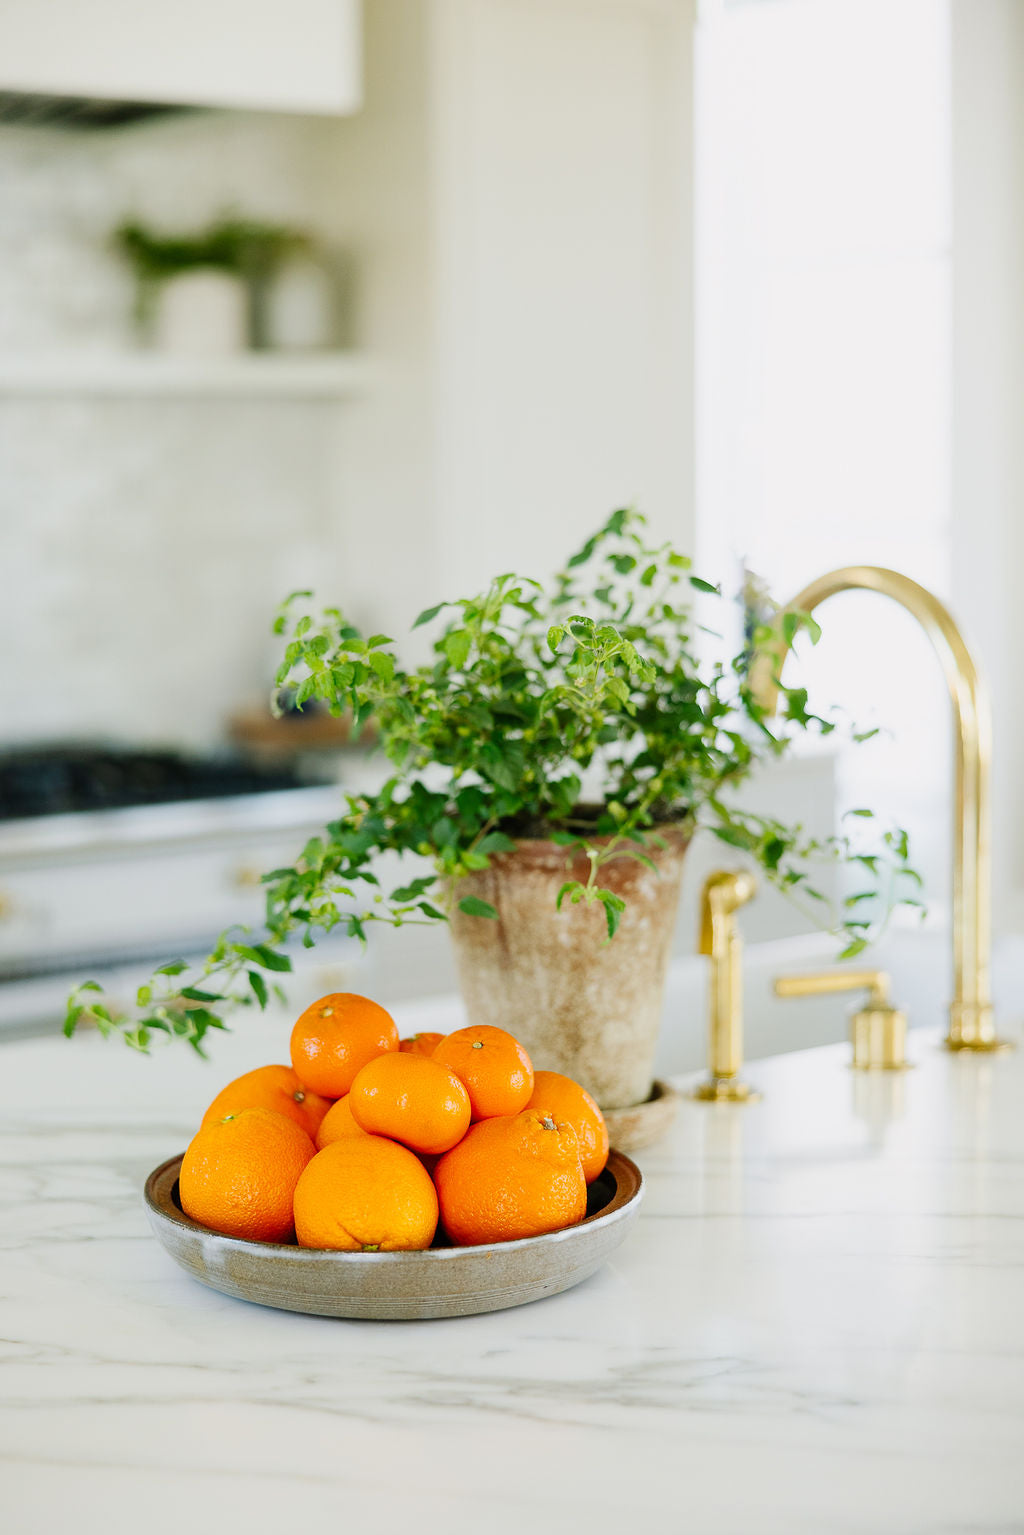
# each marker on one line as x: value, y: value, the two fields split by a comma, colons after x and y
x: 336, y: 1037
x: 413, y: 1100
x: 336, y: 1123
x: 494, y: 1067
x: 271, y: 1087
x: 512, y: 1176
x: 420, y: 1044
x: 239, y: 1174
x: 561, y: 1098
x: 365, y: 1194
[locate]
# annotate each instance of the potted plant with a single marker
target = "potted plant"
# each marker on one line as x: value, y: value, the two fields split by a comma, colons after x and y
x: 550, y: 765
x: 239, y: 251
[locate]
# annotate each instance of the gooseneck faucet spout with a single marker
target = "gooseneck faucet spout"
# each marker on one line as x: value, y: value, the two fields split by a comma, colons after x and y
x: 971, y: 1022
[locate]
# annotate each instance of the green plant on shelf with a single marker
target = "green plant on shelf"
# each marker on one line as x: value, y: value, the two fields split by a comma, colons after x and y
x: 248, y: 249
x: 582, y: 712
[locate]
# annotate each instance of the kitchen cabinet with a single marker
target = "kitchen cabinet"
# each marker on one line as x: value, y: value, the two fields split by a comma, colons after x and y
x: 299, y: 56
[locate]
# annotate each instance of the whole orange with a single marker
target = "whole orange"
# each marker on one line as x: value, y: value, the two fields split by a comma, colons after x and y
x: 420, y: 1044
x: 337, y: 1122
x: 493, y: 1065
x: 413, y: 1100
x: 365, y: 1194
x: 561, y: 1098
x: 271, y: 1087
x: 516, y: 1175
x: 334, y: 1039
x: 239, y: 1174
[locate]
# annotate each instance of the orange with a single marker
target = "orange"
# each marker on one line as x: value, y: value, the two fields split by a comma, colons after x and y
x: 337, y: 1122
x: 240, y: 1173
x: 365, y: 1194
x: 561, y: 1098
x: 413, y: 1100
x: 271, y: 1087
x: 517, y: 1175
x: 420, y: 1044
x: 336, y: 1037
x: 494, y: 1066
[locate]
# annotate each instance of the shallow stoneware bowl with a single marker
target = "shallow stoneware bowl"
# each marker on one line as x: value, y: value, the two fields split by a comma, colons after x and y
x: 444, y: 1281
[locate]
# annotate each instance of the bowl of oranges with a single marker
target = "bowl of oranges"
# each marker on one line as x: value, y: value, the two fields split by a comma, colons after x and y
x: 394, y: 1178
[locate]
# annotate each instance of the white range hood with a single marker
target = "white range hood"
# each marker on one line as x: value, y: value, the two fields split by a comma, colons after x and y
x: 271, y: 55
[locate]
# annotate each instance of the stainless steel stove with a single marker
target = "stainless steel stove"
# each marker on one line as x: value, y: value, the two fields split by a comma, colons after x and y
x: 111, y: 858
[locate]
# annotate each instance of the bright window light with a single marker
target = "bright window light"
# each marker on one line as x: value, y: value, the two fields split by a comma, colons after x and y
x: 824, y: 349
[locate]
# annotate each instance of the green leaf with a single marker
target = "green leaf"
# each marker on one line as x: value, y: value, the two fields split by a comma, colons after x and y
x: 173, y: 967
x: 429, y: 613
x: 705, y: 586
x: 383, y: 665
x: 583, y: 555
x: 414, y: 889
x: 496, y: 842
x: 432, y: 911
x: 262, y: 954
x: 259, y: 987
x: 853, y: 949
x: 473, y: 906
x: 457, y: 647
x: 614, y: 906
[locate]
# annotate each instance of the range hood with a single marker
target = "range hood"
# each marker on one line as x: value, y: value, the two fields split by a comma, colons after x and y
x: 30, y: 109
x: 91, y: 63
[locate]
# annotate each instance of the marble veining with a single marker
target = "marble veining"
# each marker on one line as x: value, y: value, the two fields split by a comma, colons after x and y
x: 816, y: 1326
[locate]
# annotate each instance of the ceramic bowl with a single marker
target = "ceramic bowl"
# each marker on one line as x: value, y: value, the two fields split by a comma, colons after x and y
x: 442, y: 1282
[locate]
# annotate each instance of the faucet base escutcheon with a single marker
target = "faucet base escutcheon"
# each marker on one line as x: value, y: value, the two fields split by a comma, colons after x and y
x: 972, y: 1027
x: 725, y: 1090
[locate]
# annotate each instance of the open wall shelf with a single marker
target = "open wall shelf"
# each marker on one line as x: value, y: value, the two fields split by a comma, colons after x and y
x: 133, y: 375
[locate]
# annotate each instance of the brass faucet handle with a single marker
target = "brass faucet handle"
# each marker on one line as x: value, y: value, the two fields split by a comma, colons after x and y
x: 878, y: 1030
x: 822, y: 983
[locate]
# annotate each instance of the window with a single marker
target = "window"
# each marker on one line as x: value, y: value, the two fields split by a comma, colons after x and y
x: 824, y: 179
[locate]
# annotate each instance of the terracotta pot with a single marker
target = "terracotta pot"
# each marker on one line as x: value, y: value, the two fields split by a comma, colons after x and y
x: 580, y: 1005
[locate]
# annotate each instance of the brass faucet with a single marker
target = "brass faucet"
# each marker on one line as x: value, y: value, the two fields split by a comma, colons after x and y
x: 721, y: 897
x: 971, y: 1022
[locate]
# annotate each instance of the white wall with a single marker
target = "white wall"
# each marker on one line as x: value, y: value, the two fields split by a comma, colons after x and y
x: 563, y: 227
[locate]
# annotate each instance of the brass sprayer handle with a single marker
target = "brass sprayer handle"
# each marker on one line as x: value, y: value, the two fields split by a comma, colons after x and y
x: 724, y: 893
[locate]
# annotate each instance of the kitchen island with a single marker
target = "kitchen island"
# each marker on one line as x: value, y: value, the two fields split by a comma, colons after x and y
x: 817, y: 1325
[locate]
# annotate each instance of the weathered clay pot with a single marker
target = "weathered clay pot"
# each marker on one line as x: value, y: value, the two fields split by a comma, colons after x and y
x: 580, y: 1005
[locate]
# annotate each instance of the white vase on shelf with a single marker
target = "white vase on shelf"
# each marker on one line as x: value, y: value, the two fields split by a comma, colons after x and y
x: 201, y: 314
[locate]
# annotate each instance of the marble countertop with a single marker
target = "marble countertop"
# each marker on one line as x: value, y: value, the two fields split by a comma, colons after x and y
x: 817, y: 1325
